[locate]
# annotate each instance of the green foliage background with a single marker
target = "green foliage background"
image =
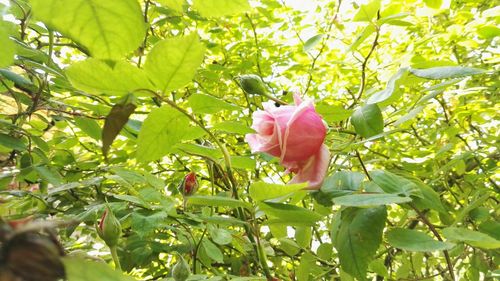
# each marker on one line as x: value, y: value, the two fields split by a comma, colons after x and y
x: 116, y: 101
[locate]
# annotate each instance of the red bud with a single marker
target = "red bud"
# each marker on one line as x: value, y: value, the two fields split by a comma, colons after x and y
x: 189, y: 185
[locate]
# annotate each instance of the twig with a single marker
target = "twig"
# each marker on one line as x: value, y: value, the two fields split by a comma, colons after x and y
x: 363, y: 165
x: 365, y: 62
x: 196, y: 249
x: 424, y: 219
x: 315, y: 58
x: 257, y: 56
x: 143, y: 46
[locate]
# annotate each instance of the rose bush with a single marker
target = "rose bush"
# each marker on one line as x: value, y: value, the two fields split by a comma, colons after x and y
x: 295, y: 134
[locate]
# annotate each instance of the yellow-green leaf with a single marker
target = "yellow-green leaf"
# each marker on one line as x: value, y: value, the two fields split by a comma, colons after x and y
x: 220, y: 8
x: 108, y: 29
x: 173, y: 62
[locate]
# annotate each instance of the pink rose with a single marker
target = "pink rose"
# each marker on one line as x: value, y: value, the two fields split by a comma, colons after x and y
x: 295, y: 134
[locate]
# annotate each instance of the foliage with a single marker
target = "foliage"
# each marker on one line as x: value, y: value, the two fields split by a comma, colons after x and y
x: 110, y: 104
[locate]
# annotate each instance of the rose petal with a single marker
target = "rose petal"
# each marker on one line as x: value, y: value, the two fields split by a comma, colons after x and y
x: 314, y: 169
x: 297, y: 99
x: 304, y: 134
x: 263, y: 122
x: 263, y: 144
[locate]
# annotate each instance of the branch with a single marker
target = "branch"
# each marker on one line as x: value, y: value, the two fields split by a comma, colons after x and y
x: 363, y: 165
x: 257, y: 56
x: 424, y: 219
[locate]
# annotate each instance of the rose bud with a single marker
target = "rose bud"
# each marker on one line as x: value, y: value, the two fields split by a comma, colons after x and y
x: 252, y: 84
x: 180, y: 271
x: 295, y: 134
x: 189, y: 185
x: 109, y: 228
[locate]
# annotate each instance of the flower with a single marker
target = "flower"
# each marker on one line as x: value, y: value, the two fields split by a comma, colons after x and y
x: 189, y: 184
x: 295, y: 134
x: 109, y: 228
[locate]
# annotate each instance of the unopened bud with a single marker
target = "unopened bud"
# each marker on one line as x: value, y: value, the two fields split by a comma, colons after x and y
x: 109, y: 228
x: 189, y: 185
x: 180, y: 271
x: 252, y: 84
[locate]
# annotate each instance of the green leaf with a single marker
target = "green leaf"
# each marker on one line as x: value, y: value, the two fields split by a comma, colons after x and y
x: 471, y: 237
x: 307, y: 267
x: 200, y: 150
x: 368, y: 120
x: 108, y: 29
x: 201, y: 103
x: 220, y: 236
x: 220, y: 8
x: 19, y: 81
x: 162, y: 130
x: 311, y: 42
x: 488, y: 31
x: 8, y: 47
x: 392, y: 183
x: 289, y: 246
x: 173, y: 4
x: 446, y: 72
x: 261, y: 191
x: 358, y: 238
x: 415, y: 241
x: 325, y: 251
x: 89, y: 127
x: 366, y: 200
x: 491, y: 228
x: 290, y: 214
x: 243, y: 162
x: 212, y: 251
x: 410, y: 115
x: 217, y: 201
x: 172, y: 63
x: 78, y: 269
x: 116, y: 119
x: 339, y: 184
x: 435, y: 4
x: 49, y: 175
x: 303, y: 236
x: 332, y: 113
x: 367, y: 11
x: 369, y: 30
x: 390, y: 88
x: 430, y: 198
x: 378, y: 267
x: 233, y: 127
x: 144, y: 224
x: 105, y: 78
x: 12, y: 142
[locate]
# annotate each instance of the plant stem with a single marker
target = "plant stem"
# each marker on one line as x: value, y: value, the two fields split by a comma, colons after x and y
x: 114, y: 255
x: 434, y: 231
x: 233, y: 184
